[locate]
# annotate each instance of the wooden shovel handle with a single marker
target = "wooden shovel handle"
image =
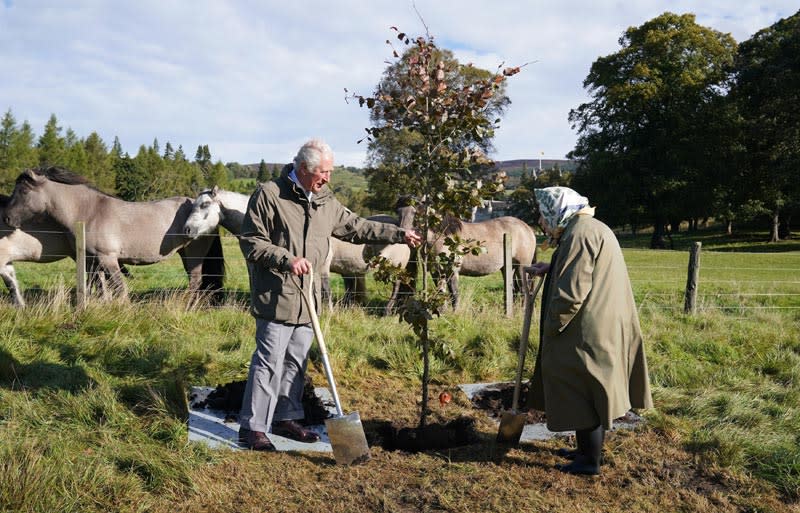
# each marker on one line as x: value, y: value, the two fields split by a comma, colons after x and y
x: 530, y: 300
x: 326, y: 364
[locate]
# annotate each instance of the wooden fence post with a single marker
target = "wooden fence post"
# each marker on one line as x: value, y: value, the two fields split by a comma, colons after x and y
x: 690, y: 299
x: 508, y: 275
x: 80, y: 263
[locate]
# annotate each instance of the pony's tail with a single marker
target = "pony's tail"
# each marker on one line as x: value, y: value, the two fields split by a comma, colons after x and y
x: 214, y: 271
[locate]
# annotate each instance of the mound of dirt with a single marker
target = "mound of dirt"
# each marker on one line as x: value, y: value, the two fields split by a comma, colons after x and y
x: 228, y: 398
x: 391, y: 437
x: 498, y: 399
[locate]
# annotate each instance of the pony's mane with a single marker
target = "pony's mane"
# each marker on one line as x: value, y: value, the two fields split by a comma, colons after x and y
x: 4, y: 200
x: 65, y: 176
x: 61, y: 175
x: 452, y: 224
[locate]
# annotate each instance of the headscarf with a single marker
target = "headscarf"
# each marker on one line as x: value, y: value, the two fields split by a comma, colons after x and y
x: 558, y: 205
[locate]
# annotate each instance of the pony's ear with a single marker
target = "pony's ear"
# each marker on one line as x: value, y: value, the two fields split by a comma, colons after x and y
x: 215, y: 190
x: 29, y: 175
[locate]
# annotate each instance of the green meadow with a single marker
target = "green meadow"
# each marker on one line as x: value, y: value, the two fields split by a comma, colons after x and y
x: 93, y: 400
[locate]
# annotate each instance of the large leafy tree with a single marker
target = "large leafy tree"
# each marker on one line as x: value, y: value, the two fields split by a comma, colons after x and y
x: 768, y: 93
x: 447, y: 124
x: 390, y: 151
x: 650, y: 138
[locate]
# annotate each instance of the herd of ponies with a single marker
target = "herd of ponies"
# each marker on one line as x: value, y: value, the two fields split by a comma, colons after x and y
x: 37, y: 224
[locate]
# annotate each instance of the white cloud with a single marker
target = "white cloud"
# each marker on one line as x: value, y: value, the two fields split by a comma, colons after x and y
x: 254, y: 79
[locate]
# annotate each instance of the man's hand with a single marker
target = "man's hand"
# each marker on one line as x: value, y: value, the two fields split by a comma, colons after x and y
x: 300, y: 266
x: 412, y: 238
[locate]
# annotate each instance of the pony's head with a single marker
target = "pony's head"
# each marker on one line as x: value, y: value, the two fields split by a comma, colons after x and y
x: 29, y: 198
x: 206, y: 214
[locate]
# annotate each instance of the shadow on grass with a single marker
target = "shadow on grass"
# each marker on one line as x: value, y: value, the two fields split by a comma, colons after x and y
x: 40, y: 375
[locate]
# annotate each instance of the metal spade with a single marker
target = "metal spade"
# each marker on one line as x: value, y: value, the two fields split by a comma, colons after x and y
x: 512, y: 422
x: 346, y: 432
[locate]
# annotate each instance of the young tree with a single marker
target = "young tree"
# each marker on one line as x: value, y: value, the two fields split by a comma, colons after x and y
x: 448, y: 126
x: 390, y: 150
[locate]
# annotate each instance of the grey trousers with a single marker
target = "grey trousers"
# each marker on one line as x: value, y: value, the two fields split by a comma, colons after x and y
x: 274, y: 388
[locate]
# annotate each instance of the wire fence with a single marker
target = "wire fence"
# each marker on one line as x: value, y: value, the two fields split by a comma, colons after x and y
x: 728, y: 281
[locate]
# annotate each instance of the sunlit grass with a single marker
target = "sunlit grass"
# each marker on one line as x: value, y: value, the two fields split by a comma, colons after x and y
x: 92, y: 401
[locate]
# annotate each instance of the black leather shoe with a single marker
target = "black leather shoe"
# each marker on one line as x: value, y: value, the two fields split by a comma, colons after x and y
x: 293, y: 430
x: 256, y: 441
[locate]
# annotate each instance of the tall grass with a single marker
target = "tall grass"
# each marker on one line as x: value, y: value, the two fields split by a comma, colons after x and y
x: 93, y: 406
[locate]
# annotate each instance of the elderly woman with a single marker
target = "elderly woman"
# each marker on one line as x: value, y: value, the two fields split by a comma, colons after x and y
x: 591, y: 366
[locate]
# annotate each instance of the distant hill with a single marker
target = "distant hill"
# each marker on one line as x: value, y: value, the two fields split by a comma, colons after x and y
x: 520, y: 164
x: 353, y: 177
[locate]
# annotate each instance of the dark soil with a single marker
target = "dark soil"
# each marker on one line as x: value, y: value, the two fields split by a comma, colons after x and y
x: 391, y: 437
x: 228, y: 398
x: 498, y: 399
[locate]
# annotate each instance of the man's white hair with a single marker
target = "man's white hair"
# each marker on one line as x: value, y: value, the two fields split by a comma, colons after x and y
x: 311, y: 153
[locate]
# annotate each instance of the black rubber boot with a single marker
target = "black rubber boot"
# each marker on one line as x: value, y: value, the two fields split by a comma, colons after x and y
x: 589, y: 452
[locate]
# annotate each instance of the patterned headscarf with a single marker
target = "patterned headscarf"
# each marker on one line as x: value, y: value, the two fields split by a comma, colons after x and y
x: 557, y: 205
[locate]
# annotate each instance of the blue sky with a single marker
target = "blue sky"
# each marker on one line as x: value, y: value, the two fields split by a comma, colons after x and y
x: 254, y: 79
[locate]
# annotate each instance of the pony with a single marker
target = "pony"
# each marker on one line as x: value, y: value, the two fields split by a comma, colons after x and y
x: 489, y: 234
x: 352, y: 262
x: 39, y: 241
x: 117, y: 231
x: 217, y: 206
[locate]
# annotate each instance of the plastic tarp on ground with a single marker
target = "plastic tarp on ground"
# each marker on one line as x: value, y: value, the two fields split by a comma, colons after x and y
x: 219, y: 429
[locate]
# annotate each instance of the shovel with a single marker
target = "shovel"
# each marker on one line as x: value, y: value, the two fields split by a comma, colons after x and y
x: 512, y: 422
x: 346, y: 432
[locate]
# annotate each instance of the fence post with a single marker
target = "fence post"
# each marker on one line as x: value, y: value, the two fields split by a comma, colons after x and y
x: 80, y: 263
x: 690, y: 300
x: 508, y: 275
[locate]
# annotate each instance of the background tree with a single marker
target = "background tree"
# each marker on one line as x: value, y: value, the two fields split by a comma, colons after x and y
x: 768, y: 93
x: 129, y: 184
x: 169, y: 151
x: 448, y: 124
x: 98, y: 163
x: 51, y: 144
x: 263, y: 172
x: 75, y: 157
x: 218, y: 175
x: 17, y: 151
x: 390, y: 151
x: 653, y: 128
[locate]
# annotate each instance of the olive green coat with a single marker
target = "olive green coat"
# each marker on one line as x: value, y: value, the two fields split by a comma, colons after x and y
x: 281, y: 224
x: 591, y: 366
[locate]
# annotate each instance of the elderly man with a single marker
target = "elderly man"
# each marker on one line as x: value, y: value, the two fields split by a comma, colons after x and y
x: 285, y: 233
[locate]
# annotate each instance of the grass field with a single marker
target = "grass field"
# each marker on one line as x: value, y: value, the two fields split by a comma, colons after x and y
x: 92, y: 402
